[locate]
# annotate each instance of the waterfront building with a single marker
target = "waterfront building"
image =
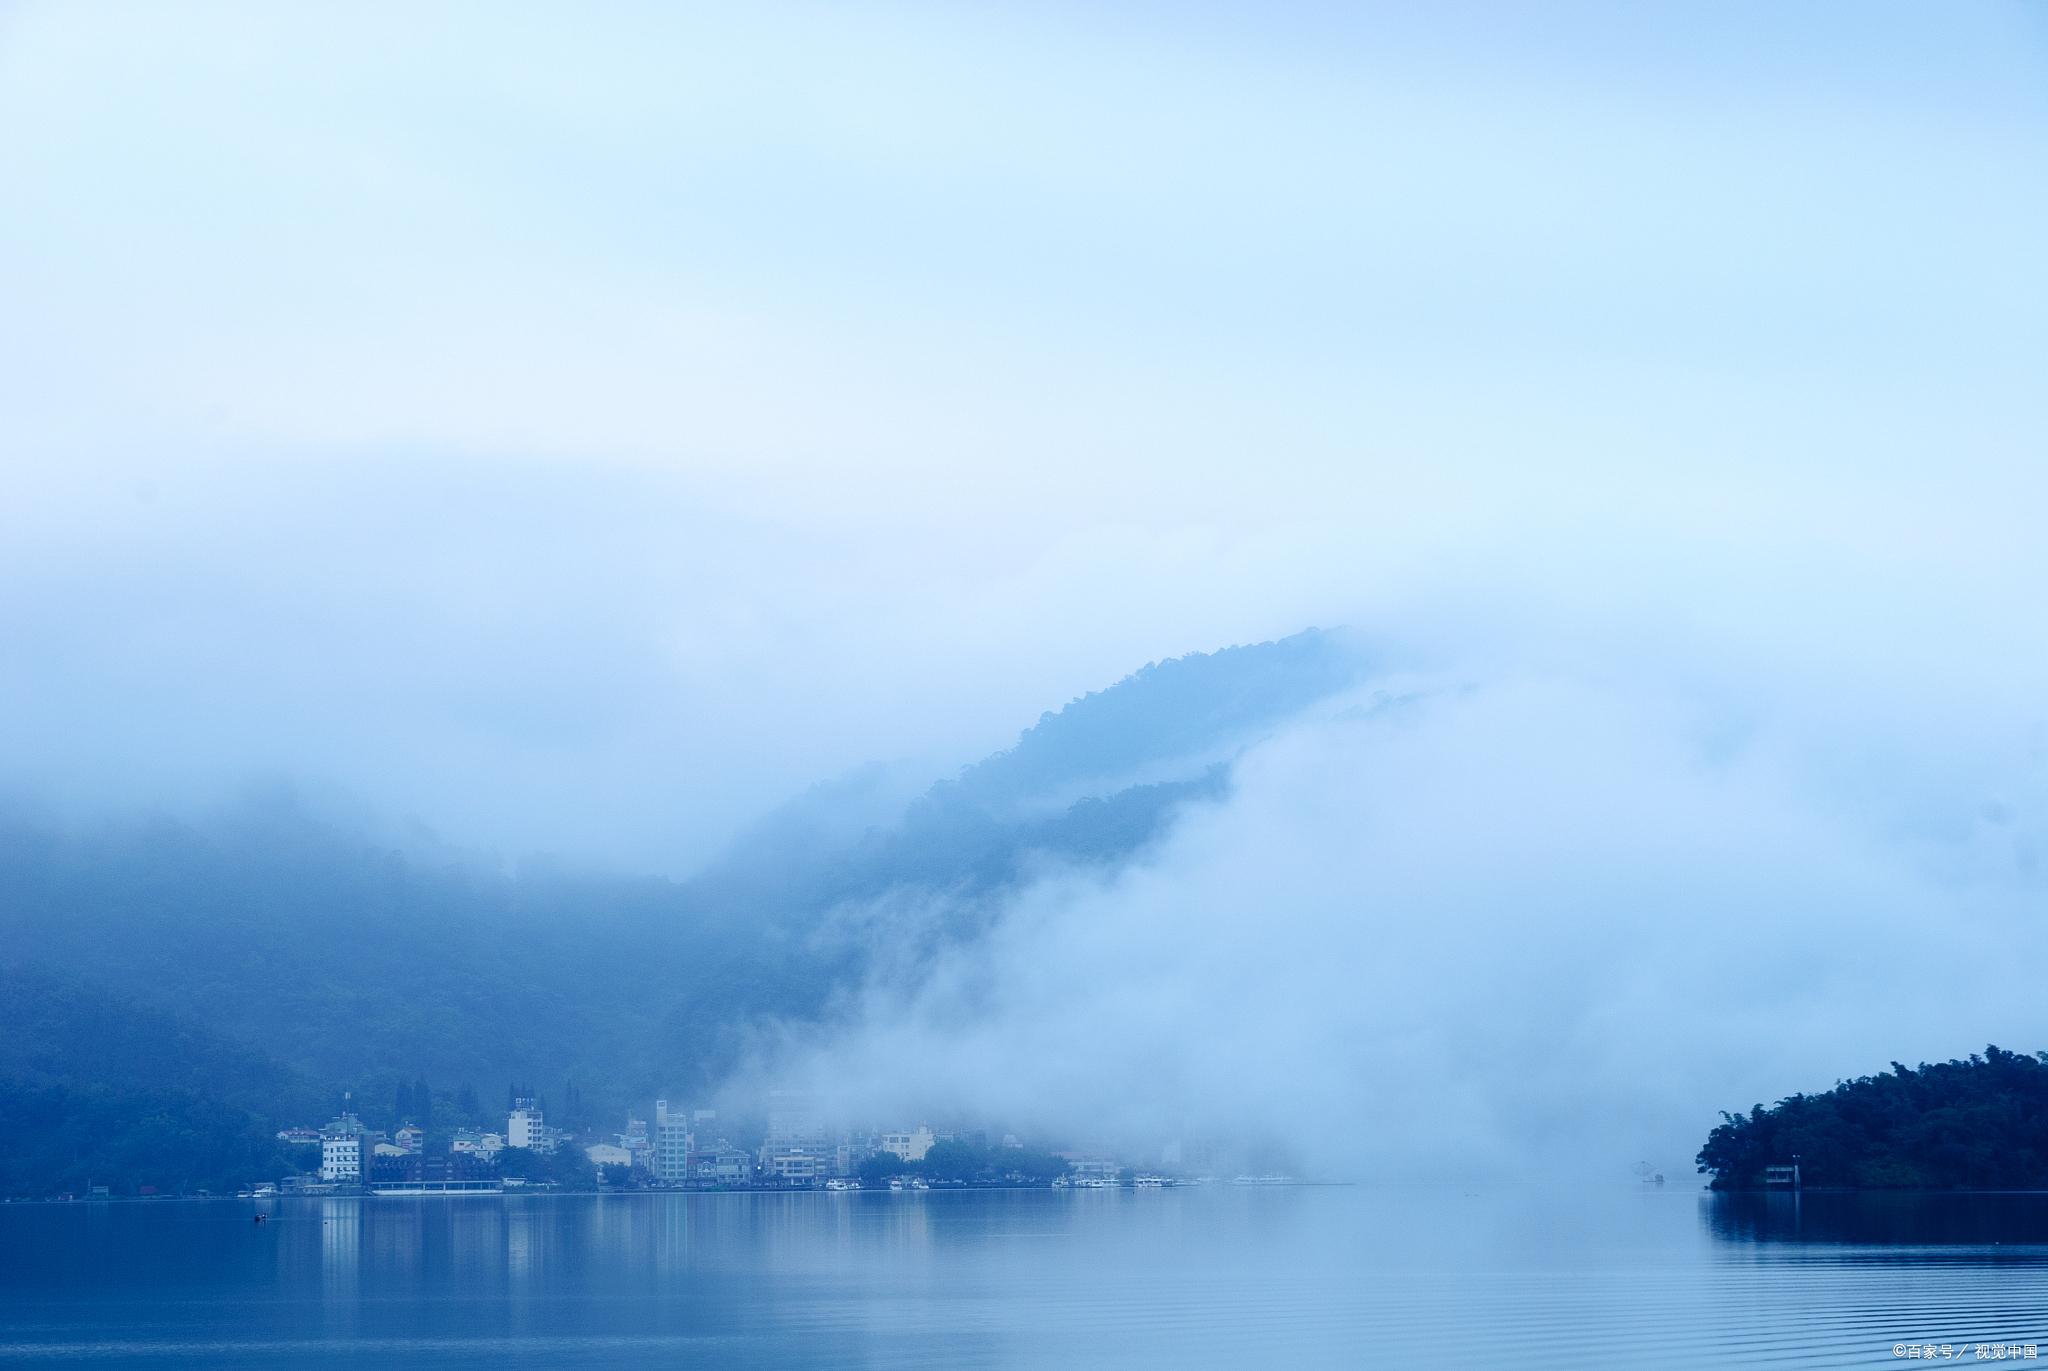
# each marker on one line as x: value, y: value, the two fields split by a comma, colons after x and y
x: 607, y: 1154
x: 673, y: 1142
x: 796, y: 1127
x: 341, y: 1157
x: 1091, y: 1167
x: 721, y: 1166
x: 847, y: 1155
x: 794, y: 1121
x: 411, y: 1137
x: 524, y: 1127
x: 344, y: 1148
x: 639, y: 1144
x: 417, y: 1173
x: 911, y: 1144
x: 484, y: 1146
x: 795, y: 1168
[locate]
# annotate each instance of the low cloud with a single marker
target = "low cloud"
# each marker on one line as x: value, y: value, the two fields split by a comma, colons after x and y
x: 1536, y: 924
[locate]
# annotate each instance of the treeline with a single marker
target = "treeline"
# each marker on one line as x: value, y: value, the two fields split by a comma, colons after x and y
x: 958, y: 1162
x: 1975, y: 1124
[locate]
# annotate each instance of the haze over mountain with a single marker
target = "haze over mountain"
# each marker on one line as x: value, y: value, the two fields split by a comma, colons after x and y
x: 553, y: 441
x: 293, y: 955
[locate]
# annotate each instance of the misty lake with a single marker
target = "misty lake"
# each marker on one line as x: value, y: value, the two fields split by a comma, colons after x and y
x: 1213, y: 1276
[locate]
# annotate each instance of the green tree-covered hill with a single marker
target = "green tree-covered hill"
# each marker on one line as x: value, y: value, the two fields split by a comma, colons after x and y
x: 1975, y: 1124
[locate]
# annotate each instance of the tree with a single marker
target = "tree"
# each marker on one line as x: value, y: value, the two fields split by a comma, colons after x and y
x: 883, y: 1167
x: 1029, y: 1166
x: 422, y: 1104
x: 1977, y: 1124
x: 953, y: 1160
x: 568, y: 1168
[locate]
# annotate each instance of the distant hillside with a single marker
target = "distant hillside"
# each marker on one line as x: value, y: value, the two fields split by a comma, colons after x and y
x: 95, y: 1088
x: 1091, y: 783
x: 1163, y: 721
x: 333, y: 961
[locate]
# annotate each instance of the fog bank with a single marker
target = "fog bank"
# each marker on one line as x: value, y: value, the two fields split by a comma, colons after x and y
x: 1536, y: 923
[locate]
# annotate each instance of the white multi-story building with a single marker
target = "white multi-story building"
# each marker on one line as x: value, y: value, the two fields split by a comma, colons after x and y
x: 340, y: 1154
x: 910, y: 1146
x: 482, y: 1145
x: 673, y: 1143
x: 524, y: 1127
x: 341, y: 1159
x: 795, y: 1168
x: 343, y: 1148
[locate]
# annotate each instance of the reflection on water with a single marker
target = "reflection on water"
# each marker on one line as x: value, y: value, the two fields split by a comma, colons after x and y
x: 1222, y: 1277
x: 1903, y: 1220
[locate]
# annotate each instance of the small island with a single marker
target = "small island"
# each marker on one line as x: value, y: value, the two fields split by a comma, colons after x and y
x: 1980, y: 1124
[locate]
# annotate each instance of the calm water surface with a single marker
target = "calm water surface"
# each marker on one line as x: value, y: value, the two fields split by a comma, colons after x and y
x: 1222, y: 1276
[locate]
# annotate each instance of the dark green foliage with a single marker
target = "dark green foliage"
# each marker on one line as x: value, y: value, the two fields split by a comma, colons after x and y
x: 964, y: 1163
x: 93, y: 1089
x: 881, y: 1168
x: 959, y: 1162
x: 567, y: 1167
x: 1975, y: 1124
x: 170, y: 1140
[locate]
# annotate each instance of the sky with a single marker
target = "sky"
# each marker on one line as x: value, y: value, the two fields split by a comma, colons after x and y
x: 582, y: 429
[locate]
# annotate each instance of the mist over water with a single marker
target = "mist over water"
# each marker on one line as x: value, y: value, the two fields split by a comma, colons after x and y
x: 577, y: 438
x: 1517, y: 924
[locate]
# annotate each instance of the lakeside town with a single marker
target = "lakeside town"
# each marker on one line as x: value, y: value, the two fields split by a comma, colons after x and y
x: 694, y: 1149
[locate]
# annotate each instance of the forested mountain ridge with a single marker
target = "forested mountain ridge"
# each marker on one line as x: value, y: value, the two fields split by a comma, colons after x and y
x: 340, y: 962
x: 1160, y: 719
x: 1091, y: 781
